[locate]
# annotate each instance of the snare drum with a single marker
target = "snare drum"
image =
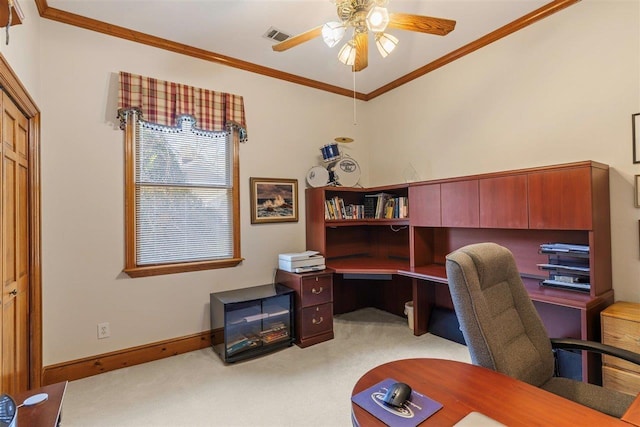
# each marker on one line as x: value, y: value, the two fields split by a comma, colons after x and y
x: 330, y: 152
x: 344, y: 172
x: 318, y: 176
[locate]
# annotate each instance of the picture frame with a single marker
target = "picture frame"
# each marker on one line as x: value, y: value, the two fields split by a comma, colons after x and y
x: 637, y: 191
x: 635, y: 127
x: 273, y: 200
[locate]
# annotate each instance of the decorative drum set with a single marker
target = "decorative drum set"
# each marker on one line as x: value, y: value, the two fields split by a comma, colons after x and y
x: 340, y: 170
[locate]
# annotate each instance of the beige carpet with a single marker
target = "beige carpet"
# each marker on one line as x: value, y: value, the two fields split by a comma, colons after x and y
x: 291, y: 387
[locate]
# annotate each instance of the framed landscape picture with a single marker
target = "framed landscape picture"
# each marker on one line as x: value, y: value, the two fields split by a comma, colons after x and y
x: 274, y: 200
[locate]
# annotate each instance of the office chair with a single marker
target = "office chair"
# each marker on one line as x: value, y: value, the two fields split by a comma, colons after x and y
x: 504, y: 332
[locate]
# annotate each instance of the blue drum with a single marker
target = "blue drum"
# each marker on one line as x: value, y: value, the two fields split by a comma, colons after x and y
x: 330, y: 152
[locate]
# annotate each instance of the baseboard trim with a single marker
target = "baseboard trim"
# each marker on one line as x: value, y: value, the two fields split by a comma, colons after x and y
x: 89, y: 366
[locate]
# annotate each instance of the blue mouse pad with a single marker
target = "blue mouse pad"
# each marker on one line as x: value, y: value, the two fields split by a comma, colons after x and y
x: 414, y: 411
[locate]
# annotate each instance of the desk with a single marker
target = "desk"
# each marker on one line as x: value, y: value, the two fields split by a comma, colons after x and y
x: 427, y: 287
x: 463, y: 388
x: 45, y: 414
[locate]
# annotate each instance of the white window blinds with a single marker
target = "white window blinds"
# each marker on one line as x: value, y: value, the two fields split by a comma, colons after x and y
x: 183, y: 191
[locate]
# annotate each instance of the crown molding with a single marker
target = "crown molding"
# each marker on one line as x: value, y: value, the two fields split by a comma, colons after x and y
x: 124, y: 33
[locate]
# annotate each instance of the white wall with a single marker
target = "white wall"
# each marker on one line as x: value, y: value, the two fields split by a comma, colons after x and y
x: 82, y: 189
x: 559, y: 91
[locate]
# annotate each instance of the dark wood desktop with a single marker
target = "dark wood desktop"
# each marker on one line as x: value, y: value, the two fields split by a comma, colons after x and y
x: 463, y: 388
x: 45, y: 414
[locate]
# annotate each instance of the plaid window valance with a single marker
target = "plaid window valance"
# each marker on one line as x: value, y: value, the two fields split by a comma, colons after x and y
x: 162, y: 102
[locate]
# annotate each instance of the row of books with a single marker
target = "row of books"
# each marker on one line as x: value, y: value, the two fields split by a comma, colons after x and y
x: 376, y: 206
x: 384, y: 205
x: 276, y: 332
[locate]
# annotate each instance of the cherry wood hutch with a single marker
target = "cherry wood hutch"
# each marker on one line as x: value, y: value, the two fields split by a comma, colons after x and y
x: 385, y: 262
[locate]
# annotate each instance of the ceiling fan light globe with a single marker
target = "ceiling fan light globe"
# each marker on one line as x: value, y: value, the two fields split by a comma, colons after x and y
x: 385, y: 43
x: 332, y: 33
x: 377, y: 19
x: 347, y: 54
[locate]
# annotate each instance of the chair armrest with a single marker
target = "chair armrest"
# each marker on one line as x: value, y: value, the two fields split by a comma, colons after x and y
x: 593, y: 346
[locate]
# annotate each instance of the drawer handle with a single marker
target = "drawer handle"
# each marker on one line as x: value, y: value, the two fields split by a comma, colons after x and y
x: 317, y: 322
x: 317, y: 292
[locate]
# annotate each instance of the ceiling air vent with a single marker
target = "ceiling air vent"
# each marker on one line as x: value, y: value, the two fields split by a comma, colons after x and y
x: 276, y: 35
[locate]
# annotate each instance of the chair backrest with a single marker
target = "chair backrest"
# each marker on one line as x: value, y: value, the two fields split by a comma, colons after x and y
x: 499, y: 322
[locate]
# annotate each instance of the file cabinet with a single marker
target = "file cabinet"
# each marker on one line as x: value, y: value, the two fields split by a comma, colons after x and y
x: 314, y: 304
x: 621, y: 328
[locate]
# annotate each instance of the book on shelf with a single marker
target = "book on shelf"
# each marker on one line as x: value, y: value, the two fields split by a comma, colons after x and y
x: 241, y: 342
x: 414, y: 411
x: 275, y: 332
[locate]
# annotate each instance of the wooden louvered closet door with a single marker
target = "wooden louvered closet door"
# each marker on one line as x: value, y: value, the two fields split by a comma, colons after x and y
x: 15, y: 248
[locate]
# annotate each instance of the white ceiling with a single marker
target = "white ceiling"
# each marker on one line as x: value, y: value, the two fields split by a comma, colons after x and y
x: 235, y: 28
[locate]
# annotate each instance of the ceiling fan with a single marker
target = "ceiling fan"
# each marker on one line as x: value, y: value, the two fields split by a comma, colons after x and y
x: 364, y: 16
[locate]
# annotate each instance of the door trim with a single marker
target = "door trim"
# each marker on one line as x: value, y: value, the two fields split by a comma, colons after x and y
x: 10, y: 83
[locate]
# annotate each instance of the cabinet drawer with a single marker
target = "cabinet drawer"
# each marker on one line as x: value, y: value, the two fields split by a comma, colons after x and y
x: 316, y: 320
x: 316, y: 290
x: 624, y: 334
x: 617, y: 379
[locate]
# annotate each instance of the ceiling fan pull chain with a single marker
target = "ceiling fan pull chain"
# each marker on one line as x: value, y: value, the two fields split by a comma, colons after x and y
x: 355, y: 121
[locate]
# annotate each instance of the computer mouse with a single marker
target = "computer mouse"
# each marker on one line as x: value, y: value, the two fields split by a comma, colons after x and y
x: 397, y: 394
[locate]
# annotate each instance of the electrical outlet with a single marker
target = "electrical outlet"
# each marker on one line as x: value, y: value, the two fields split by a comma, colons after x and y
x: 104, y: 331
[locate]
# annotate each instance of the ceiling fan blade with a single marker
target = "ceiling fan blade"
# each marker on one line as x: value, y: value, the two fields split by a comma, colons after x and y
x: 362, y: 51
x: 422, y: 24
x: 298, y: 39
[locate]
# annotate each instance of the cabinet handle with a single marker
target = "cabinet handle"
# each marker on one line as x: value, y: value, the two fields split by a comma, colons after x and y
x: 14, y: 292
x: 317, y: 322
x: 313, y: 291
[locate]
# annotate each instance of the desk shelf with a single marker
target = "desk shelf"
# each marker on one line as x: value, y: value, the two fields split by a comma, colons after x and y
x: 367, y: 265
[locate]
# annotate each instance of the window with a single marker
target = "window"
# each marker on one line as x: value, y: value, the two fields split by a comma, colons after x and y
x: 182, y: 197
x: 182, y: 208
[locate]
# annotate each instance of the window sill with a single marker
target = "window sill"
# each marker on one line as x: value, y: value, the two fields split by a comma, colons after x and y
x: 156, y: 270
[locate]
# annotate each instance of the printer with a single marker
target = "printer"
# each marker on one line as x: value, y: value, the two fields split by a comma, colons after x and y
x: 301, y: 262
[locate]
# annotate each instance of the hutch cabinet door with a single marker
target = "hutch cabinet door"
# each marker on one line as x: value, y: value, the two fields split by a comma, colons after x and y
x: 503, y: 202
x: 424, y: 205
x: 460, y: 204
x: 560, y: 199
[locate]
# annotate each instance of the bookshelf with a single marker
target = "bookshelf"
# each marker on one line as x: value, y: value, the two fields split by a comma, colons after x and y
x: 519, y: 209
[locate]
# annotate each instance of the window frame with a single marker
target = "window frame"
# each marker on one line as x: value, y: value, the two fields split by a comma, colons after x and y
x: 131, y: 266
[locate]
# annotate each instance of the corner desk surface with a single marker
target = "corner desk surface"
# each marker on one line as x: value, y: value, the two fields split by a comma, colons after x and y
x: 463, y: 388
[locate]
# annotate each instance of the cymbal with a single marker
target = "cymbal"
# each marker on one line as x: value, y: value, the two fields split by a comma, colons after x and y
x: 343, y: 139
